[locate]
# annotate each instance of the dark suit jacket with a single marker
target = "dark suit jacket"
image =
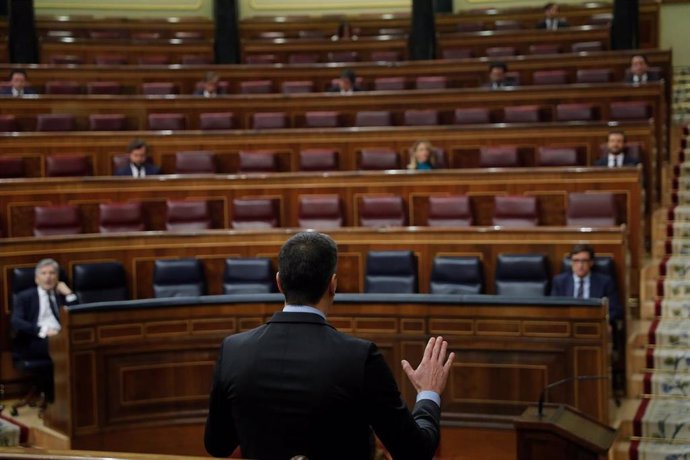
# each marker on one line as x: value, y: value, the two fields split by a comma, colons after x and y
x: 336, y: 89
x: 562, y: 23
x: 7, y: 91
x: 297, y: 386
x: 627, y: 160
x: 650, y: 77
x: 150, y: 169
x: 25, y: 318
x: 599, y: 286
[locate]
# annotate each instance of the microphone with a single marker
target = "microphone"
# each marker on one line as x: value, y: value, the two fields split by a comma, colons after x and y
x: 544, y: 393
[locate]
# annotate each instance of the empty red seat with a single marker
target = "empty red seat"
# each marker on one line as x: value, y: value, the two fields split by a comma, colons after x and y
x: 104, y: 87
x: 66, y: 59
x: 195, y: 162
x: 498, y: 157
x: 382, y: 211
x: 574, y: 112
x: 391, y: 31
x: 11, y: 167
x: 449, y: 211
x: 389, y: 83
x: 311, y: 34
x: 154, y: 59
x: 67, y: 166
x: 255, y: 213
x: 56, y: 220
x: 591, y: 210
x: 56, y: 122
x: 545, y: 48
x: 120, y: 217
x: 322, y: 119
x: 189, y: 35
x: 187, y: 215
x: 270, y: 120
x: 111, y: 59
x: 107, y: 34
x: 522, y: 114
x: 303, y: 58
x: 107, y: 122
x: 472, y: 116
x: 8, y: 123
x: 291, y: 87
x: 378, y: 159
x: 322, y: 159
x: 414, y: 117
x: 457, y: 53
x: 261, y: 59
x: 343, y: 56
x: 63, y: 87
x: 167, y: 121
x: 581, y: 47
x: 385, y: 56
x: 594, y: 75
x: 145, y: 36
x: 320, y: 211
x: 501, y: 51
x: 515, y: 211
x: 629, y: 110
x: 218, y: 120
x: 258, y: 161
x: 469, y: 27
x: 432, y: 82
x: 197, y: 59
x: 256, y: 87
x: 556, y: 156
x: 600, y: 19
x: 373, y: 118
x: 507, y: 24
x: 550, y: 77
x: 159, y: 88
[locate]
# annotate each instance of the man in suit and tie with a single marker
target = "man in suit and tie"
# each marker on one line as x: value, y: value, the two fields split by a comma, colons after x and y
x: 138, y: 166
x: 18, y: 84
x: 551, y: 20
x: 639, y: 70
x: 497, y: 76
x: 583, y: 283
x: 296, y: 386
x: 36, y: 316
x: 209, y: 87
x: 616, y: 155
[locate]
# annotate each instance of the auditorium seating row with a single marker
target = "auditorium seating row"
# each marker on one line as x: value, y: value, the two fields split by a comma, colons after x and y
x: 316, y: 160
x: 386, y: 272
x: 266, y: 86
x: 325, y: 211
x: 51, y: 122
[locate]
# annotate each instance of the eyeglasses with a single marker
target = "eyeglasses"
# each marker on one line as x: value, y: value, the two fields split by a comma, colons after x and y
x: 580, y: 261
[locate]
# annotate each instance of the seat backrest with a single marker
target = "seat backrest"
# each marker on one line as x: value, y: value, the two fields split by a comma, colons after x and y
x: 550, y: 77
x: 343, y: 56
x: 256, y: 87
x: 391, y: 272
x: 431, y: 82
x: 498, y: 157
x: 154, y: 59
x: 591, y: 210
x: 472, y: 116
x: 322, y: 119
x: 414, y: 117
x: 629, y: 110
x: 255, y: 213
x: 378, y: 159
x: 594, y: 75
x: 195, y: 162
x: 574, y: 112
x: 382, y: 211
x: 178, y: 278
x: 591, y: 46
x: 258, y: 161
x: 8, y: 123
x: 67, y: 166
x: 320, y: 211
x: 251, y: 275
x: 22, y: 278
x: 389, y: 83
x: 545, y: 48
x: 303, y: 58
x: 56, y: 220
x: 556, y: 156
x: 449, y: 211
x: 385, y: 56
x: 55, y: 122
x: 457, y: 53
x: 501, y: 51
x: 111, y: 59
x: 457, y: 275
x: 159, y: 88
x: 270, y: 120
x: 507, y: 24
x: 100, y: 282
x: 373, y: 118
x: 11, y: 168
x: 522, y: 275
x: 107, y: 122
x: 167, y: 121
x: 515, y: 211
x: 322, y: 159
x: 184, y: 215
x: 219, y: 120
x: 120, y: 217
x: 63, y: 87
x: 303, y: 86
x: 522, y: 114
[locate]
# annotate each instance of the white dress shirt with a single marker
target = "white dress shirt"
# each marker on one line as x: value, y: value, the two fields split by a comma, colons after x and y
x: 46, y: 316
x: 585, y: 288
x: 616, y: 160
x: 17, y: 93
x: 640, y: 78
x: 137, y: 172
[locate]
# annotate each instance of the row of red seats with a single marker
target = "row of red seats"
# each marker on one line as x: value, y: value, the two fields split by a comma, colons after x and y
x: 326, y: 211
x: 624, y: 110
x: 314, y: 160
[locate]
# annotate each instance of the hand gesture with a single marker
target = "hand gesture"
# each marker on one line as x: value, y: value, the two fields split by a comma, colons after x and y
x: 62, y: 289
x: 432, y: 372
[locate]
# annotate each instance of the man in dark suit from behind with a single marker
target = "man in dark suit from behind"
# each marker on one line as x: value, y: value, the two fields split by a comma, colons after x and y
x: 18, y: 84
x: 639, y: 70
x: 583, y: 283
x: 36, y: 316
x: 551, y: 20
x: 616, y: 152
x: 296, y: 386
x: 138, y: 165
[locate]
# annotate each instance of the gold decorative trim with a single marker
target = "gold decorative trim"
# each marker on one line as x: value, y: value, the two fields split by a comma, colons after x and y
x: 293, y: 6
x: 195, y: 5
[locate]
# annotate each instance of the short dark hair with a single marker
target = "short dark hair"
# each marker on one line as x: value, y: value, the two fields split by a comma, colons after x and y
x: 14, y: 71
x: 616, y: 131
x: 644, y: 58
x: 498, y: 65
x: 135, y: 144
x: 582, y: 247
x: 350, y: 75
x: 306, y: 263
x: 549, y: 5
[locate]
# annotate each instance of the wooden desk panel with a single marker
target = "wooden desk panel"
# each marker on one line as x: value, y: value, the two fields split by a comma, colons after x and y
x: 102, y: 357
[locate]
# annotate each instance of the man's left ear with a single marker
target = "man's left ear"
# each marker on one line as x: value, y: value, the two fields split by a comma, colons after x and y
x: 278, y: 283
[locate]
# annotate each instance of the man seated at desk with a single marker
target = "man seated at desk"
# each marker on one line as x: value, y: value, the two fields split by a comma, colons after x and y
x: 616, y: 152
x: 551, y: 20
x: 639, y: 70
x: 138, y: 165
x: 17, y: 84
x: 497, y: 76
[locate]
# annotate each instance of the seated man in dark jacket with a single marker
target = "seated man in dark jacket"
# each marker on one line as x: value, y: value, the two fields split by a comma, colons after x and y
x: 138, y: 165
x: 18, y: 84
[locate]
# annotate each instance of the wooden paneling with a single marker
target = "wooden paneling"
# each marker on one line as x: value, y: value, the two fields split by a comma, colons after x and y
x: 180, y: 371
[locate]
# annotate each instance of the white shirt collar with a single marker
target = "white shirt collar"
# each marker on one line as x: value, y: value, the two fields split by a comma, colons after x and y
x: 303, y: 309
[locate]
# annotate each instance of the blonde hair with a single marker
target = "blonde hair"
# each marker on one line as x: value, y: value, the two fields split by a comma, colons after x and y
x: 413, y: 157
